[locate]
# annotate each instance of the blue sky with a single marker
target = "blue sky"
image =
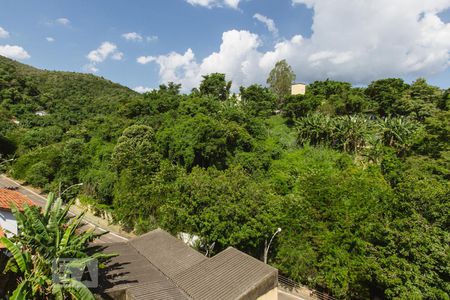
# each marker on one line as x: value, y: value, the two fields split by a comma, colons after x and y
x: 180, y: 40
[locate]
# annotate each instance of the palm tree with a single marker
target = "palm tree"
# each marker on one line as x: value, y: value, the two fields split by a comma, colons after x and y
x: 45, y: 237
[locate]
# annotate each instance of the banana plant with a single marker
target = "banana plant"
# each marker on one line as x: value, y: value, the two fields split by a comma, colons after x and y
x: 46, y: 236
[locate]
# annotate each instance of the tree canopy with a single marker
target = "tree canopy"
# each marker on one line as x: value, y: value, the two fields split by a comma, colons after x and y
x: 356, y: 177
x: 280, y: 80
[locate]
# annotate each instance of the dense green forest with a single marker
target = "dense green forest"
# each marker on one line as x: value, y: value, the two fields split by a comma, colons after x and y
x: 357, y: 178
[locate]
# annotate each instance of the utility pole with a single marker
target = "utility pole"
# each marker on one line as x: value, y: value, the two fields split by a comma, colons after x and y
x: 266, y: 247
x: 73, y: 185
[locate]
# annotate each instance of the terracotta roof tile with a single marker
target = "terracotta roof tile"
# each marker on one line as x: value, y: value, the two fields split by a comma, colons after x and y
x: 1, y: 234
x: 8, y: 196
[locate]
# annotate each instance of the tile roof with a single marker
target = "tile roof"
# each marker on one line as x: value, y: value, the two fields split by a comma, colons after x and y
x: 132, y: 274
x: 167, y: 253
x: 8, y: 196
x: 230, y: 274
x: 160, y: 266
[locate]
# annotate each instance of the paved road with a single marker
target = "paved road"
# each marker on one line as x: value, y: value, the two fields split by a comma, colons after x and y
x: 40, y: 200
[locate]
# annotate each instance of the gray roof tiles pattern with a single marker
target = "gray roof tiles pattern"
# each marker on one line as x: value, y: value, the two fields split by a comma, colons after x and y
x: 167, y: 253
x: 159, y: 266
x: 227, y: 275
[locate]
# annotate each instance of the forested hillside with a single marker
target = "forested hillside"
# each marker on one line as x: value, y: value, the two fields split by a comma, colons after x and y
x: 357, y: 178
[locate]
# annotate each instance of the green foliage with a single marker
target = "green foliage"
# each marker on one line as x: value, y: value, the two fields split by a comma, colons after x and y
x: 388, y: 96
x: 227, y: 208
x: 203, y: 141
x: 45, y: 236
x: 215, y: 85
x: 299, y: 106
x: 357, y: 178
x: 281, y: 79
x: 257, y: 101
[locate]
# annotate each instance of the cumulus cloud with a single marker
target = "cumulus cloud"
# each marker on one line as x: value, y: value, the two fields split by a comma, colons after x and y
x: 352, y: 40
x: 3, y: 33
x: 142, y: 89
x: 143, y: 60
x: 132, y: 36
x: 50, y: 39
x: 236, y: 57
x: 104, y: 51
x: 63, y: 21
x: 14, y: 52
x: 215, y: 3
x: 269, y: 23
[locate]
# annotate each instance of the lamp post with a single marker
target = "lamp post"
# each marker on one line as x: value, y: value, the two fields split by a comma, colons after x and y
x: 73, y: 185
x: 266, y: 249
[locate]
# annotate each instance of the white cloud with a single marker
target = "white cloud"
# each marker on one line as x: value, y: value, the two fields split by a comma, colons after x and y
x: 117, y: 55
x: 90, y: 68
x: 14, y: 52
x: 105, y: 51
x: 143, y: 60
x: 132, y: 36
x: 152, y: 38
x: 232, y: 3
x: 237, y: 58
x: 63, y: 21
x: 142, y: 89
x: 50, y: 39
x: 215, y: 3
x: 136, y: 37
x: 269, y: 23
x: 3, y: 33
x: 178, y: 67
x: 352, y: 40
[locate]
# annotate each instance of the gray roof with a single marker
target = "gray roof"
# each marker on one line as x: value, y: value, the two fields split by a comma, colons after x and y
x: 167, y: 253
x: 160, y: 266
x: 129, y: 272
x: 163, y: 290
x: 230, y: 274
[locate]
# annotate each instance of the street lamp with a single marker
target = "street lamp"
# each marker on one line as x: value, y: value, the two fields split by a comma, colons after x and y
x: 266, y: 249
x: 73, y: 185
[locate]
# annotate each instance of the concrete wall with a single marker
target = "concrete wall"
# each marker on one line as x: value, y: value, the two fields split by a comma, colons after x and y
x: 264, y: 288
x: 8, y: 222
x: 270, y: 295
x: 298, y: 89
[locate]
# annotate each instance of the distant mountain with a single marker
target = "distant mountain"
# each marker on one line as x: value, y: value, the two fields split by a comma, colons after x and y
x: 68, y: 96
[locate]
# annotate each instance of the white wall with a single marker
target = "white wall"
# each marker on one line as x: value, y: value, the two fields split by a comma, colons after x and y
x: 8, y: 222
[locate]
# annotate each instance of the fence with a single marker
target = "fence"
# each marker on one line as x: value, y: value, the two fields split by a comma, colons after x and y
x: 295, y: 288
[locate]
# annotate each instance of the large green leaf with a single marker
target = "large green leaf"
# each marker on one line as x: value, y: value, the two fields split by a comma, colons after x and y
x: 57, y: 291
x: 50, y: 201
x: 78, y: 290
x: 16, y: 252
x: 20, y: 293
x: 70, y: 231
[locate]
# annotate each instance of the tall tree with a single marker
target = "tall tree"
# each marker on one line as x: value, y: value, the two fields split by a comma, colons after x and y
x: 215, y: 85
x: 280, y: 80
